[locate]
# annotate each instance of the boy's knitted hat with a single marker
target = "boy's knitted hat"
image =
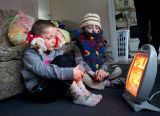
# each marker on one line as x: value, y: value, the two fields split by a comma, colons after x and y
x: 91, y: 18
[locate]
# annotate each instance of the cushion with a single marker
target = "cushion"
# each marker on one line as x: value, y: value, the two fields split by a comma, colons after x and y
x: 11, y: 53
x: 19, y: 27
x: 65, y: 34
x: 5, y: 17
x: 55, y: 22
x: 11, y: 80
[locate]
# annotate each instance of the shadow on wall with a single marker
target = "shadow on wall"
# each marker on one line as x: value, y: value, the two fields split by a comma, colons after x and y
x: 70, y: 25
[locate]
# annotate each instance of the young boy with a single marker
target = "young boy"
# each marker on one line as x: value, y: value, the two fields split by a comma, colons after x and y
x: 97, y: 57
x: 44, y: 79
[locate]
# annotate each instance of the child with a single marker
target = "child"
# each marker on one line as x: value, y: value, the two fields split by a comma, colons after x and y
x: 46, y: 79
x: 97, y: 55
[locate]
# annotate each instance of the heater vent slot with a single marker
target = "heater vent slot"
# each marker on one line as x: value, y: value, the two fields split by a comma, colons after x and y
x: 146, y: 48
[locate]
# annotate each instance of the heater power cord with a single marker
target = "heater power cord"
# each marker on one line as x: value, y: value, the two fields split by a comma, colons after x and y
x: 153, y: 95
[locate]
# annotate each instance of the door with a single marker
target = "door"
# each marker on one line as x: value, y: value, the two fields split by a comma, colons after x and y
x: 44, y: 9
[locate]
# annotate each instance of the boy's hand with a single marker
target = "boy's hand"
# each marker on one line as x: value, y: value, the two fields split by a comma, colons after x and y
x: 78, y: 75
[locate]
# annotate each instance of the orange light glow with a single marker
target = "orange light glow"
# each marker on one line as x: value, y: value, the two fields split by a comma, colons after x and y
x: 136, y: 72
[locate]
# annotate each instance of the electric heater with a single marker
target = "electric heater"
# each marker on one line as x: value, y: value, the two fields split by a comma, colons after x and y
x: 140, y: 79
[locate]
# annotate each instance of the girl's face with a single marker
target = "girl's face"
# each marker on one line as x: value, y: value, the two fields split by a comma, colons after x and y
x: 50, y: 35
x: 92, y: 28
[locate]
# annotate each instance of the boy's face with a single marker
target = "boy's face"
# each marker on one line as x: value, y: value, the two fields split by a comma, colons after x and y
x: 50, y: 35
x: 92, y: 28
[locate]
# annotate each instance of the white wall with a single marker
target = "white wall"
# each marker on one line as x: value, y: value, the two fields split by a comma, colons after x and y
x: 28, y: 6
x: 72, y: 12
x: 67, y: 11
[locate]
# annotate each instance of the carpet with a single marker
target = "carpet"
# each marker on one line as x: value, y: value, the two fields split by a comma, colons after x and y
x: 112, y: 104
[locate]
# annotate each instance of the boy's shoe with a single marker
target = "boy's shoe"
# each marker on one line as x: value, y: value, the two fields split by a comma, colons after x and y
x: 79, y: 97
x: 88, y: 93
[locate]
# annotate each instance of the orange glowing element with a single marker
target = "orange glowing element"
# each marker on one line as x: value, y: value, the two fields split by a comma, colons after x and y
x: 136, y: 72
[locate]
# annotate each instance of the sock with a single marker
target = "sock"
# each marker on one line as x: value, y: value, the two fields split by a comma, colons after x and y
x: 108, y: 83
x: 83, y: 88
x: 79, y: 97
x: 116, y: 83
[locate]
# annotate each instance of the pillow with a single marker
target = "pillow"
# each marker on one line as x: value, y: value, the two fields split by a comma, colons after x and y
x: 65, y: 34
x: 55, y: 22
x: 19, y: 27
x: 5, y: 17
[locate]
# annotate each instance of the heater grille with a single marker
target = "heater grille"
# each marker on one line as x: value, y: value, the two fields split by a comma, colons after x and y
x: 135, y: 74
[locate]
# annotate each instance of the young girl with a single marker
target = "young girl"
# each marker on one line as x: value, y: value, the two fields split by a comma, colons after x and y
x: 97, y: 56
x: 44, y: 75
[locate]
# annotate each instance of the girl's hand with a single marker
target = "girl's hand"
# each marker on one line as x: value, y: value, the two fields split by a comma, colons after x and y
x: 101, y: 74
x: 78, y: 75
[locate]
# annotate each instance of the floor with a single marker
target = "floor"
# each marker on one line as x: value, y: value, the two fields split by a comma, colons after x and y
x: 112, y: 104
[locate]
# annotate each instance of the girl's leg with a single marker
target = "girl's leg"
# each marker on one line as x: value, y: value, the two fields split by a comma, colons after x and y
x: 113, y: 80
x: 112, y: 70
x: 116, y: 83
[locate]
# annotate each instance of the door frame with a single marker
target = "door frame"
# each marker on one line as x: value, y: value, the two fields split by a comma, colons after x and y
x: 112, y: 29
